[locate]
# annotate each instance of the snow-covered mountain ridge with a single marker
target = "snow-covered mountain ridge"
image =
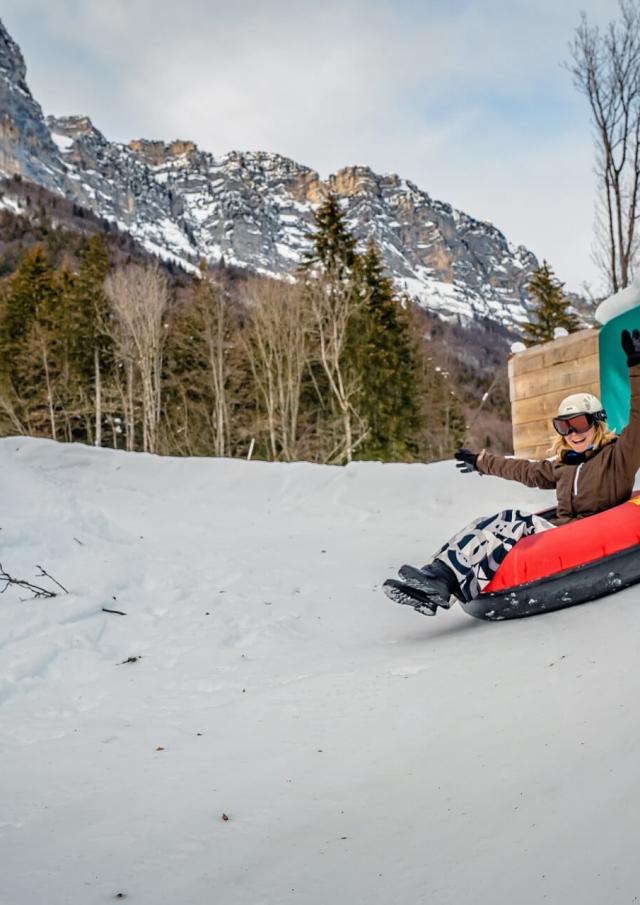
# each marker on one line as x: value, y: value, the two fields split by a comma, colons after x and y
x: 255, y: 209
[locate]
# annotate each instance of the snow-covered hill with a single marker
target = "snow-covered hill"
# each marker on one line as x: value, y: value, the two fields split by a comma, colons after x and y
x: 361, y: 753
x: 255, y: 209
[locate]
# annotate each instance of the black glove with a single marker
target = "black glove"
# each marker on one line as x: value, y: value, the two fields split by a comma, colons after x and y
x: 467, y: 460
x: 631, y: 345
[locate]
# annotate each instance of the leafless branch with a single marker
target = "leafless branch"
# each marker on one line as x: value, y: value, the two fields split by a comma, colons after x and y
x: 605, y: 66
x: 51, y: 578
x: 35, y: 589
x: 139, y: 297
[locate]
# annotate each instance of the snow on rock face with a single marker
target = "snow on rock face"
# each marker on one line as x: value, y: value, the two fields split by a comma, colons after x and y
x: 26, y: 146
x: 255, y: 209
x: 260, y: 673
x: 12, y: 64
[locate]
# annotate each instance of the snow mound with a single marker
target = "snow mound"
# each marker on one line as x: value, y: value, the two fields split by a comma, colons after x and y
x: 359, y: 752
x: 619, y: 302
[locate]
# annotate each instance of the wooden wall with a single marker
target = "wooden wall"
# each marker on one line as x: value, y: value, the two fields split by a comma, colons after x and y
x: 543, y: 375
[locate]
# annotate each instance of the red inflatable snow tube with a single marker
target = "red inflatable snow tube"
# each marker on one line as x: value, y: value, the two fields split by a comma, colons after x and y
x: 580, y: 561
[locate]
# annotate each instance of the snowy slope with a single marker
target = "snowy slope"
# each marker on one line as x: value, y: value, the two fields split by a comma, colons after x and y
x: 361, y: 752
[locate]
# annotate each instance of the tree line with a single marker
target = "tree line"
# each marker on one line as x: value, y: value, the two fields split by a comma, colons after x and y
x: 331, y: 367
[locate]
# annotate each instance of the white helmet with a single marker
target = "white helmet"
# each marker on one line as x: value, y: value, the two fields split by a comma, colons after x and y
x: 581, y: 404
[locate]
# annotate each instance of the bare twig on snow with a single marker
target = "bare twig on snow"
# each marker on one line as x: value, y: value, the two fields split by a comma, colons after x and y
x: 35, y: 589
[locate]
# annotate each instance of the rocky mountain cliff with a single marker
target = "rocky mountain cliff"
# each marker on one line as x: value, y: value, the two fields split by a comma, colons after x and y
x: 255, y: 210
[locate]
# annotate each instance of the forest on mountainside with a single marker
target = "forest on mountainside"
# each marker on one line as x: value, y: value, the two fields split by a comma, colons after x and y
x: 101, y: 343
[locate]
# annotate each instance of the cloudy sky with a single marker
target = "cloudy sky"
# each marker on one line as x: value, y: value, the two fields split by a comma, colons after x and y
x: 468, y: 99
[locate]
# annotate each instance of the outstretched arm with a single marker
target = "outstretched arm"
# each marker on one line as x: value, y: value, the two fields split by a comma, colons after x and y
x: 538, y: 473
x: 628, y: 445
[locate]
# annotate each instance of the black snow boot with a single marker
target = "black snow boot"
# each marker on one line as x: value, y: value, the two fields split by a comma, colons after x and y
x: 400, y: 592
x: 435, y: 580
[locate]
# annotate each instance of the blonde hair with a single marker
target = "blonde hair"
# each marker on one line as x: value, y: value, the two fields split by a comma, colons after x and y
x: 602, y: 436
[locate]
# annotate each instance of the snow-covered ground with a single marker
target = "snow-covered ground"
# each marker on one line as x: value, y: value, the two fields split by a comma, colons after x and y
x: 362, y: 753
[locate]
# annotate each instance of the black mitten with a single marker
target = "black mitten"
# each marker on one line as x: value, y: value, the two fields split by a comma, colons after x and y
x: 631, y: 345
x: 467, y: 460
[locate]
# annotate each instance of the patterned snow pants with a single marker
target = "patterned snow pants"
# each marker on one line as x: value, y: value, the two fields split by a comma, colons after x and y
x: 475, y: 553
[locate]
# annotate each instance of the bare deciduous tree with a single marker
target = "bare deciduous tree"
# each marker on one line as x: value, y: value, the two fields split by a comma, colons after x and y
x: 204, y: 374
x: 333, y: 305
x: 217, y: 327
x: 139, y: 297
x: 277, y: 348
x: 42, y: 342
x: 9, y: 407
x: 606, y: 69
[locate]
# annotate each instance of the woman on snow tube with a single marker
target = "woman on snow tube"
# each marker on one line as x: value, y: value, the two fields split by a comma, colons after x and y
x: 591, y: 470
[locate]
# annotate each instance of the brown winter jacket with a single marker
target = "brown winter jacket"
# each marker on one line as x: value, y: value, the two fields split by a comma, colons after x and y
x: 604, y: 479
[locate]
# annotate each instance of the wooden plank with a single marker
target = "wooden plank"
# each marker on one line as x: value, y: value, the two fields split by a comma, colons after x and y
x: 538, y: 433
x: 524, y: 362
x: 538, y: 384
x: 583, y: 343
x: 540, y: 408
x: 533, y: 452
x: 590, y: 356
x: 563, y: 348
x: 571, y: 374
x: 535, y: 432
x: 579, y: 345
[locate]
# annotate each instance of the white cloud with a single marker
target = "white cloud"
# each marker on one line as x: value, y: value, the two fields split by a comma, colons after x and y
x: 466, y: 99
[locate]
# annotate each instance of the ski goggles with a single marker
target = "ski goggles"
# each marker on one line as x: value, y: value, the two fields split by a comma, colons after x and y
x: 576, y: 424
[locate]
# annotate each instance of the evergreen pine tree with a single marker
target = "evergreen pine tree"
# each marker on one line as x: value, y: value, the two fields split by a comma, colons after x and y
x: 28, y: 370
x: 333, y: 296
x: 387, y: 359
x: 30, y: 293
x: 78, y: 343
x: 333, y: 246
x: 186, y: 384
x: 552, y: 307
x: 90, y: 311
x: 378, y: 359
x: 204, y: 403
